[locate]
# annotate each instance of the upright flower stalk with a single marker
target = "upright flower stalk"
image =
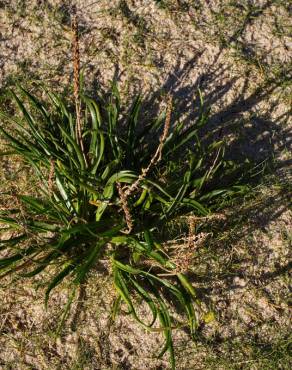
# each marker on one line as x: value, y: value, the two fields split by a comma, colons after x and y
x: 76, y: 81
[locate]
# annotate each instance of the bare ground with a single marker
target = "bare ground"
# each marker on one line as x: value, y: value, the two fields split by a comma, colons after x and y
x: 239, y: 55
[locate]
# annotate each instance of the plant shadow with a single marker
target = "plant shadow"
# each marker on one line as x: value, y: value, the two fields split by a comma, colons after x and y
x: 259, y: 135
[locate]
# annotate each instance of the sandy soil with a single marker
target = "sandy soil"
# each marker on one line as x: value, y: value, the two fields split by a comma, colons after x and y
x: 239, y: 54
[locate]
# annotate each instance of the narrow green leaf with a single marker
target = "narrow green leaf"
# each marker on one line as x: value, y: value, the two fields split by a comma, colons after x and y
x: 58, y: 279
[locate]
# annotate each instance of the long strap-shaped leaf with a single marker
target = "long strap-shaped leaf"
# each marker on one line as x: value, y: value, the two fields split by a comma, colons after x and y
x: 30, y: 121
x: 82, y: 270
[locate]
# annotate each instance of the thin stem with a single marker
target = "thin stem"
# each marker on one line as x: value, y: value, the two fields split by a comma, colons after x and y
x: 76, y: 87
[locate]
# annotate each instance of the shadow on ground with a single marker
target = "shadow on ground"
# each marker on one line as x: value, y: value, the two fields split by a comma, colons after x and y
x: 253, y: 128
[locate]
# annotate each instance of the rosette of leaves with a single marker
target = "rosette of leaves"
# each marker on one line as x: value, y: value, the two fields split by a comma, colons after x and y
x: 78, y: 212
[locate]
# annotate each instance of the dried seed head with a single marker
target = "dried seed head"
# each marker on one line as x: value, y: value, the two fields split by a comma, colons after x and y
x: 125, y: 208
x: 76, y: 57
x: 167, y: 119
x: 76, y: 82
x: 157, y: 155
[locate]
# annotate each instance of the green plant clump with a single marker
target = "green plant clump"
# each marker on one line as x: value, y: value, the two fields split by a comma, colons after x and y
x: 108, y: 192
